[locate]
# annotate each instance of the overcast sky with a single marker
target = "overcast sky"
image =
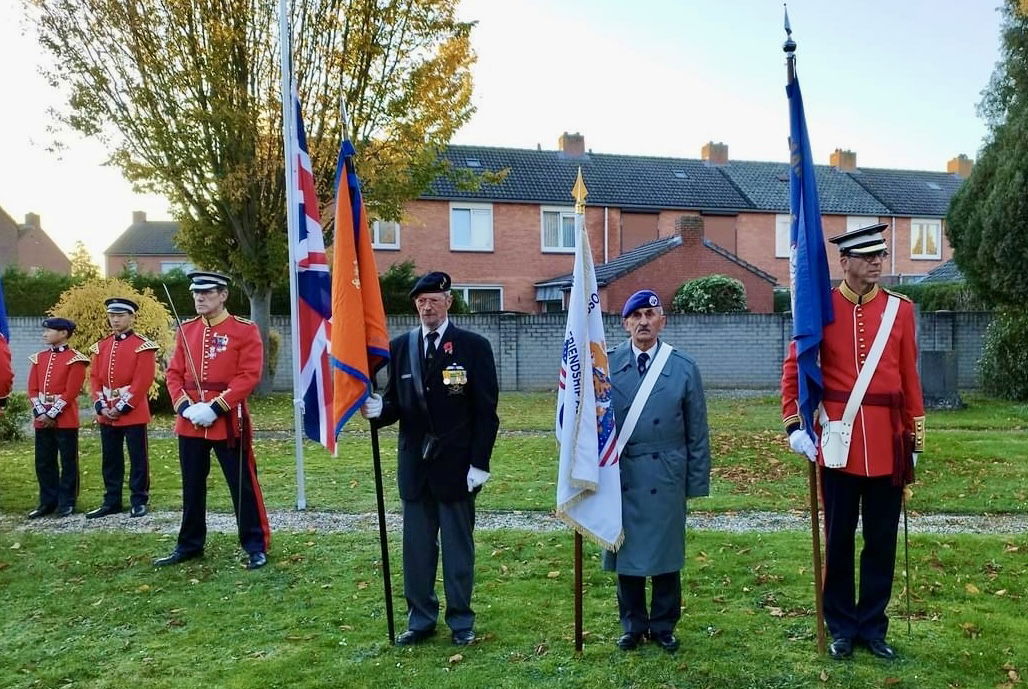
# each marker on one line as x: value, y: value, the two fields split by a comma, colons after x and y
x: 896, y: 82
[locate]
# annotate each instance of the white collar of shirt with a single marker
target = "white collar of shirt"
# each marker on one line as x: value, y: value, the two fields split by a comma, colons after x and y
x: 425, y: 331
x: 649, y: 352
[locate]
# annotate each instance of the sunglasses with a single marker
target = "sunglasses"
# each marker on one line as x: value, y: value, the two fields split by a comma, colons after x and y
x: 871, y: 257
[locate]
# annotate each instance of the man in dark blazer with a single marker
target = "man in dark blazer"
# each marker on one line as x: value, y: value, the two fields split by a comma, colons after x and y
x: 442, y: 389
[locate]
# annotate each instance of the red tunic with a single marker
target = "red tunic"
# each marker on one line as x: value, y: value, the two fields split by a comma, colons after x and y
x: 6, y: 372
x: 844, y: 346
x: 122, y: 371
x: 228, y: 357
x: 55, y: 380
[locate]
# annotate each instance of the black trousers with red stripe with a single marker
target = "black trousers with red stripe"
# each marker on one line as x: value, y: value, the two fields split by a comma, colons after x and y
x: 240, y: 469
x: 877, y: 503
x: 113, y: 440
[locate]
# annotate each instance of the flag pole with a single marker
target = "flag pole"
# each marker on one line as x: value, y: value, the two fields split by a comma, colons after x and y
x: 789, y: 47
x: 578, y: 592
x: 293, y: 228
x: 376, y: 459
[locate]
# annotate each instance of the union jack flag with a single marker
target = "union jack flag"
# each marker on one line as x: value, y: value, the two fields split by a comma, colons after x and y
x: 314, y: 297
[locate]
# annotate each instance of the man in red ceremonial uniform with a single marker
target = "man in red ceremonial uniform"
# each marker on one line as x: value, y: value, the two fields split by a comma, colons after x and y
x: 886, y: 435
x: 55, y: 380
x: 123, y: 367
x: 6, y: 373
x: 216, y: 365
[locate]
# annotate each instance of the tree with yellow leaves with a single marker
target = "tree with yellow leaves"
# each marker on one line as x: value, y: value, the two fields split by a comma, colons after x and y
x: 186, y: 93
x: 84, y: 304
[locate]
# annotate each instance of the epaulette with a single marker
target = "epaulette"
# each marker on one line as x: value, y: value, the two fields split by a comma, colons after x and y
x: 897, y: 294
x: 147, y: 345
x: 190, y: 320
x: 79, y: 356
x: 246, y: 321
x: 34, y: 358
x: 95, y: 348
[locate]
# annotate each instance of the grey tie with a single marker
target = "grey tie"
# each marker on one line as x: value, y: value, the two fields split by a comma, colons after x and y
x: 644, y: 359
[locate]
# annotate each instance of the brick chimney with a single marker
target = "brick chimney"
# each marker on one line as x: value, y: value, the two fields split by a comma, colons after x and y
x: 691, y: 229
x: 32, y: 220
x: 843, y: 161
x: 572, y: 145
x: 960, y: 166
x: 715, y: 153
x: 138, y: 217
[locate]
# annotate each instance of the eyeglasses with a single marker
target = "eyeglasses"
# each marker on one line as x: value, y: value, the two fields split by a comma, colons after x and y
x: 872, y: 257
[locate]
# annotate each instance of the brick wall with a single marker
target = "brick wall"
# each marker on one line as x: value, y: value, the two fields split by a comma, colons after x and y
x: 732, y: 350
x: 144, y: 264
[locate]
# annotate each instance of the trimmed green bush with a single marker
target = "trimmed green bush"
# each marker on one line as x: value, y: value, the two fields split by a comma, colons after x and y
x: 15, y: 417
x: 1004, y: 363
x: 943, y: 296
x: 710, y: 294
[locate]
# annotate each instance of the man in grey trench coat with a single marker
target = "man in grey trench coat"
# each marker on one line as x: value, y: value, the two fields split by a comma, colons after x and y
x: 665, y: 461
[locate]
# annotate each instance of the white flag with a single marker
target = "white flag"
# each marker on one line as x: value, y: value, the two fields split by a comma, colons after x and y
x: 588, y: 479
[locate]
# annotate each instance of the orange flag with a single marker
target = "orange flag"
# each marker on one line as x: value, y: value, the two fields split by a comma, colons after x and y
x: 360, y: 337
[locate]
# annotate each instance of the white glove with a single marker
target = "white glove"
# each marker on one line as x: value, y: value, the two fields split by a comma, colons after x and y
x: 372, y: 407
x: 916, y: 455
x: 801, y: 444
x: 476, y: 478
x: 201, y: 414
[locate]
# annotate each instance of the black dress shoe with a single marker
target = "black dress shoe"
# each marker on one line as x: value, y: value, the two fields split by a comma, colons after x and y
x: 176, y: 556
x: 41, y: 511
x: 138, y: 511
x: 841, y: 648
x: 629, y: 641
x: 256, y: 560
x: 463, y: 637
x: 666, y: 640
x: 65, y: 511
x: 103, y: 511
x: 414, y: 636
x: 880, y: 649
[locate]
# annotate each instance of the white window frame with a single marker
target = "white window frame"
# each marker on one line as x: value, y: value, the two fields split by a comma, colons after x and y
x: 472, y: 207
x: 463, y: 289
x: 783, y: 242
x: 168, y: 266
x: 564, y: 211
x: 855, y: 222
x: 936, y: 225
x: 376, y: 243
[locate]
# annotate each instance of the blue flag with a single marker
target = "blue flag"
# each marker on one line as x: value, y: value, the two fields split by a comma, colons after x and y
x: 808, y: 263
x: 5, y: 329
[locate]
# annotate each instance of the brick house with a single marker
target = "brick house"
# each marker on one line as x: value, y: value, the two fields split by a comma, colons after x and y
x: 146, y: 246
x: 29, y: 247
x: 507, y: 245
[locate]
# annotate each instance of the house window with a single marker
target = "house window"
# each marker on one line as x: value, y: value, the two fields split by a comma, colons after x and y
x: 184, y: 266
x: 385, y: 234
x: 481, y: 297
x: 558, y: 229
x: 471, y: 227
x: 925, y: 238
x: 782, y: 238
x: 855, y: 222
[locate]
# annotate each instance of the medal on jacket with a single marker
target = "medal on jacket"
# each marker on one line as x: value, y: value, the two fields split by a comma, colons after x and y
x: 219, y: 343
x: 455, y: 377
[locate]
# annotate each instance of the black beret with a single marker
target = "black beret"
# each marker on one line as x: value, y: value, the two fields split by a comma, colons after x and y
x: 432, y: 282
x: 59, y: 324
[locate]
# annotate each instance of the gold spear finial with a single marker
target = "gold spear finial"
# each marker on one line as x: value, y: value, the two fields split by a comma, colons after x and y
x: 579, y: 192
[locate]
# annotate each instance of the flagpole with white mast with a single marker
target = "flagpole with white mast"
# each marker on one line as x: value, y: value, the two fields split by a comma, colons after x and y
x: 293, y: 225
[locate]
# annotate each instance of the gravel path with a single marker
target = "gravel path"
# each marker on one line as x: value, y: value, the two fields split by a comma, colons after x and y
x: 293, y: 521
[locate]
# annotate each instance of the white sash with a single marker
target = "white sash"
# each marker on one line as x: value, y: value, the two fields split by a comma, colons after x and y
x: 643, y: 394
x: 836, y: 435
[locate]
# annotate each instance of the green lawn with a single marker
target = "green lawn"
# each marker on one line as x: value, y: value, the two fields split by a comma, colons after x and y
x: 974, y: 463
x: 88, y: 611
